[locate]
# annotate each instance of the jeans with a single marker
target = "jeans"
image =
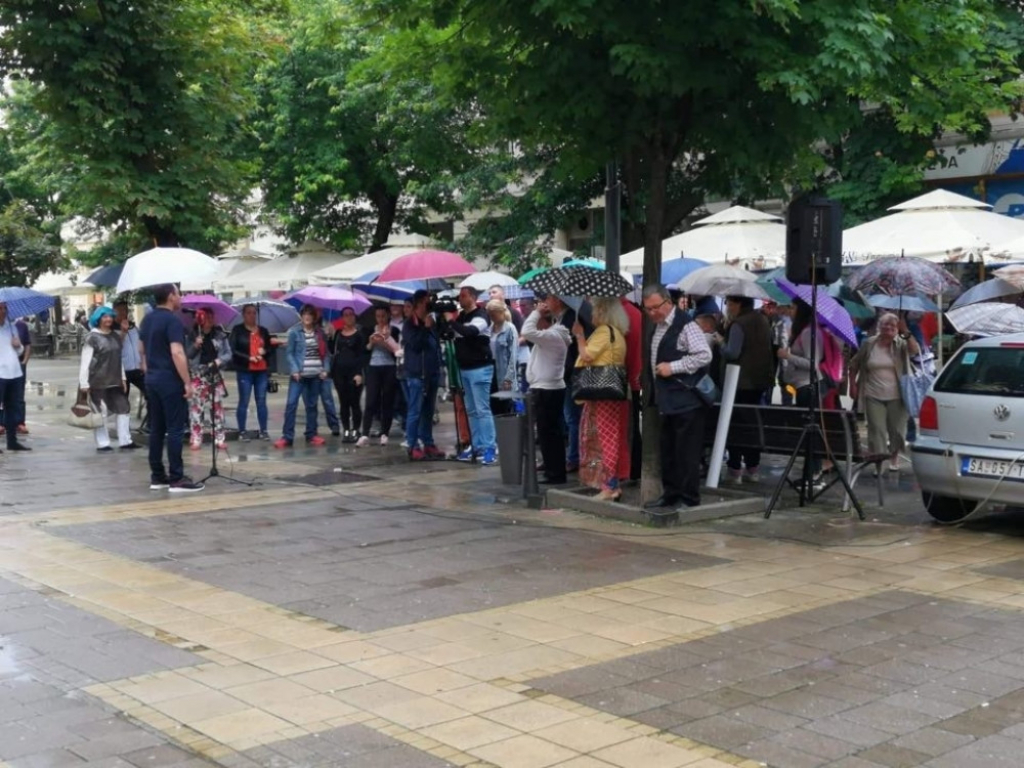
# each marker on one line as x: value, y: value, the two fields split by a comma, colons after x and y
x: 571, y: 413
x: 421, y: 395
x: 327, y: 398
x: 248, y: 383
x: 168, y: 413
x: 477, y: 384
x: 308, y: 389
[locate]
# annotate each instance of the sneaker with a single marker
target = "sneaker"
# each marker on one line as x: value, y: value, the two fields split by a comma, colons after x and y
x: 383, y: 439
x: 362, y: 442
x: 222, y: 446
x: 735, y: 476
x: 105, y: 449
x: 130, y: 446
x: 434, y: 453
x: 243, y: 436
x: 489, y: 459
x: 159, y: 484
x: 336, y: 432
x: 404, y: 445
x: 417, y: 454
x: 282, y: 443
x: 262, y: 435
x: 465, y: 455
x: 753, y: 475
x: 195, y: 446
x: 315, y: 440
x: 185, y: 485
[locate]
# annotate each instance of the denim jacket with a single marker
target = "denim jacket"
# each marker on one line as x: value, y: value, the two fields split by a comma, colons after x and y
x: 297, y: 349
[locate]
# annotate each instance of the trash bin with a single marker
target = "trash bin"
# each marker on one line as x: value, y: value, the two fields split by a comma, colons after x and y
x: 510, y: 431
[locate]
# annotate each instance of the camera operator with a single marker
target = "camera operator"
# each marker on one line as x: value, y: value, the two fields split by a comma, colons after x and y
x: 422, y: 360
x: 476, y: 363
x: 208, y: 352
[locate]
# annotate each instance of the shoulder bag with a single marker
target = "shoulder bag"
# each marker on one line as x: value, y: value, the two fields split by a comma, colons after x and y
x: 600, y: 382
x: 914, y: 385
x: 84, y: 414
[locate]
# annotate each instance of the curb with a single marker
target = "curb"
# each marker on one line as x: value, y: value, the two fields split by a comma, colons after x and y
x: 726, y: 503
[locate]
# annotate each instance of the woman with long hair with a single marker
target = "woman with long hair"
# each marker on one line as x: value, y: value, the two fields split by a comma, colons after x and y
x: 348, y: 368
x: 504, y: 349
x: 101, y: 375
x: 382, y: 347
x: 604, y: 424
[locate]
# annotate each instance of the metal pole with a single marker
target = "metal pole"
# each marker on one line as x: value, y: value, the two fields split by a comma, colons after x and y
x: 732, y: 378
x: 612, y: 219
x: 531, y: 490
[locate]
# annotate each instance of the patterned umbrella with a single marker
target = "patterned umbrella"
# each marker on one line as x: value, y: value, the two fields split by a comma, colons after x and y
x: 902, y: 276
x: 1013, y: 274
x: 989, y: 290
x: 580, y: 281
x: 987, y: 319
x: 22, y: 302
x: 830, y: 313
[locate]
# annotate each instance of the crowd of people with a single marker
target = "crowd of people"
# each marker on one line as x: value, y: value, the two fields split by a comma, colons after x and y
x: 395, y: 367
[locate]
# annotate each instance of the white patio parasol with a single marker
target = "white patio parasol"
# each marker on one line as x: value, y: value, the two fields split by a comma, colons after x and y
x: 738, y: 236
x: 940, y: 226
x: 351, y: 270
x: 165, y: 265
x: 482, y: 281
x: 285, y: 273
x: 228, y: 265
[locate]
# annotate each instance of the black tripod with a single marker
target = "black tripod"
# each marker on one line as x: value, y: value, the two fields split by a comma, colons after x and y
x: 211, y: 376
x: 811, y: 432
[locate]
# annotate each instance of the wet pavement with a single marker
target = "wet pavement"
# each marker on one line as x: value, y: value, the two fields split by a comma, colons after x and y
x: 352, y: 609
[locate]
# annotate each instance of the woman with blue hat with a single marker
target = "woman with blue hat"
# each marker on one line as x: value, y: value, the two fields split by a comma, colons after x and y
x: 102, y: 376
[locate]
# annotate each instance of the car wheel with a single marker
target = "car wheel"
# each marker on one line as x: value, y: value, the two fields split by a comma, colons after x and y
x: 946, y: 509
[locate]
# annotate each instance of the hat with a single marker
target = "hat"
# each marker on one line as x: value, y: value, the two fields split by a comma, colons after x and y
x: 99, y: 312
x: 706, y: 306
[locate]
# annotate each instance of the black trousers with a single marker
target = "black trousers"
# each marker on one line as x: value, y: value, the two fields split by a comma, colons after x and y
x: 551, y: 431
x: 9, y: 389
x: 380, y: 397
x: 682, y: 442
x: 750, y: 457
x: 349, y: 409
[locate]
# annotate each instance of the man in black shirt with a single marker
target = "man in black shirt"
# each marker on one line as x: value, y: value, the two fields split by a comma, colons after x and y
x: 473, y: 354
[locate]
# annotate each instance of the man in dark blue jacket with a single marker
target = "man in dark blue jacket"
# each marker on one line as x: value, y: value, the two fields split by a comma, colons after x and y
x: 422, y: 355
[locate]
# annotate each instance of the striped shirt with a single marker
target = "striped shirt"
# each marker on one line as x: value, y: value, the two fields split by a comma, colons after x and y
x: 311, y: 364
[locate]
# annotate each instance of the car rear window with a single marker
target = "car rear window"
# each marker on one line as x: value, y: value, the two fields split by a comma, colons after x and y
x: 985, y: 371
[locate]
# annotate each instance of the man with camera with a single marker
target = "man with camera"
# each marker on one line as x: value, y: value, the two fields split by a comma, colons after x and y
x: 422, y: 363
x: 476, y: 364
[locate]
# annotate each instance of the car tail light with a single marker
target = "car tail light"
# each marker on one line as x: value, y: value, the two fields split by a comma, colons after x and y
x: 929, y: 416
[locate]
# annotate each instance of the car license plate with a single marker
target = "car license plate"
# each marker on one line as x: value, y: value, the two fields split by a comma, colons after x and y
x: 992, y: 468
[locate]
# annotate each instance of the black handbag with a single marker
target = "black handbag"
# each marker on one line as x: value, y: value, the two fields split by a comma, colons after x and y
x: 600, y: 382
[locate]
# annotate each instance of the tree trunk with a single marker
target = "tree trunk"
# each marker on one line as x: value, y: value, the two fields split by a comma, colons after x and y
x: 160, y: 235
x: 387, y: 206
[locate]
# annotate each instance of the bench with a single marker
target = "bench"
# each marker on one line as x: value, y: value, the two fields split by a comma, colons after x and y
x: 42, y: 344
x: 776, y: 429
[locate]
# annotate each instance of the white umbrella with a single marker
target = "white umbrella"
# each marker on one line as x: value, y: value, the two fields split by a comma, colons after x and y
x: 939, y: 226
x: 987, y: 319
x: 722, y: 280
x: 165, y: 265
x: 738, y: 236
x: 481, y: 281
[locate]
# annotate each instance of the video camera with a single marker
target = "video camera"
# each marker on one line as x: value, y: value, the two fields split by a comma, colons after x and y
x: 443, y: 306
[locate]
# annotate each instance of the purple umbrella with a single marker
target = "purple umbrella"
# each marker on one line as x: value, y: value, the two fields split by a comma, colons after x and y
x: 328, y: 297
x: 831, y: 314
x: 223, y: 313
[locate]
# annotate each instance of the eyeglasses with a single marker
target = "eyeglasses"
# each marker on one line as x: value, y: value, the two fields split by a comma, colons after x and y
x: 656, y: 307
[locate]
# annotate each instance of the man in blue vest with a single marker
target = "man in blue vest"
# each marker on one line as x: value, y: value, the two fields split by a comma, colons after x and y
x: 680, y: 356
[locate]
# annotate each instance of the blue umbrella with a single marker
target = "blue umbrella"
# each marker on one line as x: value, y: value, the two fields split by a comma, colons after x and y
x: 986, y: 291
x: 911, y: 303
x: 108, y: 275
x: 674, y: 270
x: 275, y: 316
x: 394, y: 293
x: 22, y: 302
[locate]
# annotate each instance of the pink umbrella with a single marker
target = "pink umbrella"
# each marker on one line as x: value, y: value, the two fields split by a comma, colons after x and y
x: 424, y: 265
x: 223, y: 313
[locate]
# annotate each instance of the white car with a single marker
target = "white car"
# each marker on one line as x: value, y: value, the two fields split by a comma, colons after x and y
x: 970, y: 443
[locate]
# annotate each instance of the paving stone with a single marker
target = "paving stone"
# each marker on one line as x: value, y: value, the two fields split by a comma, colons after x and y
x: 770, y: 752
x: 987, y: 752
x: 51, y: 758
x: 350, y: 746
x: 725, y: 732
x: 933, y: 741
x: 894, y: 756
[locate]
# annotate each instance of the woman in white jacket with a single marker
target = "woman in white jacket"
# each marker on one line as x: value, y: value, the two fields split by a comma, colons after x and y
x: 545, y: 373
x: 102, y: 376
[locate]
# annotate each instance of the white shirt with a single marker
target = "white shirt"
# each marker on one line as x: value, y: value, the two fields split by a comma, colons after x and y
x: 546, y: 368
x: 10, y: 368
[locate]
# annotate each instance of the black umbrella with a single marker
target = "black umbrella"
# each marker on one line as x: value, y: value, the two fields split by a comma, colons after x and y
x: 106, y: 276
x: 580, y: 281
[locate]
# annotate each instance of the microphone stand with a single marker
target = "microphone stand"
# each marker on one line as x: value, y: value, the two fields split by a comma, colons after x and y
x: 212, y: 376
